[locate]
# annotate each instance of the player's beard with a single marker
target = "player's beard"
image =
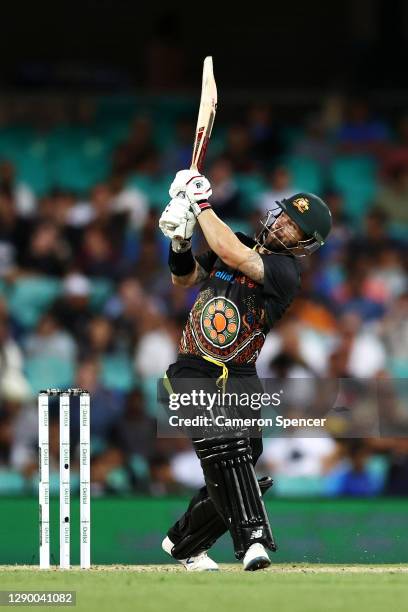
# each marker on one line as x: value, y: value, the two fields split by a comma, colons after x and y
x: 276, y: 239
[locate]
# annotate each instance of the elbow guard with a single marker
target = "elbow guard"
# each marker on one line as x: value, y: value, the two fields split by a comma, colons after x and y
x: 182, y: 263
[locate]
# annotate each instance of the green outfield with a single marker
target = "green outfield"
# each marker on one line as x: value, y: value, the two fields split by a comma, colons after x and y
x: 286, y: 588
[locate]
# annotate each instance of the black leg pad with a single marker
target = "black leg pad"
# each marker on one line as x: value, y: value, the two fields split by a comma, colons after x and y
x: 233, y: 487
x: 204, y: 525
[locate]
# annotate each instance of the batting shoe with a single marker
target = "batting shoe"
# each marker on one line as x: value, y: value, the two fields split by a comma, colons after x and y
x: 256, y: 558
x: 199, y: 563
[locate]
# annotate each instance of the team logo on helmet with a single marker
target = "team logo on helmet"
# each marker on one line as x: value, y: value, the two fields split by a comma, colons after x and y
x: 220, y: 322
x: 302, y: 204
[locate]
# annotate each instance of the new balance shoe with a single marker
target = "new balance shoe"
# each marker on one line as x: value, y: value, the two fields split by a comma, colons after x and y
x: 199, y: 563
x: 256, y: 558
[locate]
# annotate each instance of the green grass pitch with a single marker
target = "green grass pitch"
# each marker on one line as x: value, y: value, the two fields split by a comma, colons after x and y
x: 283, y: 588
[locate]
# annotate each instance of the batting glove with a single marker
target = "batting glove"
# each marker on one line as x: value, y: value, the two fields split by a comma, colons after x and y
x: 177, y: 221
x: 195, y: 187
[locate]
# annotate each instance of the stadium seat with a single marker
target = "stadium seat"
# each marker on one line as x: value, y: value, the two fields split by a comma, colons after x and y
x: 118, y: 480
x: 155, y: 189
x: 30, y: 297
x: 355, y: 177
x: 11, y: 482
x: 398, y: 367
x: 302, y: 486
x: 117, y: 373
x: 306, y: 174
x: 32, y: 166
x: 251, y: 187
x: 139, y: 467
x: 149, y: 389
x: 47, y: 372
x: 101, y: 291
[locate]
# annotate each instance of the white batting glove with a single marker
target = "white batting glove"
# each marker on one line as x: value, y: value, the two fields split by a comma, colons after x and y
x: 196, y: 187
x: 177, y: 220
x: 179, y: 182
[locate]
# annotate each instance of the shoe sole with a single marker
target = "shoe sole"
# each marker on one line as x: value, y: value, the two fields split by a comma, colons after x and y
x: 257, y: 564
x: 203, y: 570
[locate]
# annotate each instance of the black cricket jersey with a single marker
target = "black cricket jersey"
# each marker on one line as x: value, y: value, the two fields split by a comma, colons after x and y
x: 232, y: 313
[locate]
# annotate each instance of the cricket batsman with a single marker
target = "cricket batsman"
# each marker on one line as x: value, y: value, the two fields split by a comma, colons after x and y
x: 246, y: 284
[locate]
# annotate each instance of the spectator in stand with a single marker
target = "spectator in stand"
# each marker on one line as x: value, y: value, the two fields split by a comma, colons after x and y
x: 360, y: 132
x: 20, y: 192
x: 393, y: 196
x: 13, y: 385
x: 353, y: 295
x: 50, y: 340
x: 107, y: 406
x: 162, y: 481
x: 238, y: 149
x: 130, y: 201
x: 155, y: 346
x: 47, y: 252
x: 104, y: 467
x: 315, y: 143
x: 100, y: 337
x: 138, y: 152
x: 396, y: 154
x: 178, y: 154
x: 97, y: 256
x: 362, y: 352
x: 265, y: 134
x: 226, y: 197
x: 135, y: 432
x: 280, y: 187
x: 374, y: 237
x: 14, y: 233
x: 394, y: 333
x: 72, y: 309
x: 351, y: 476
x: 100, y: 210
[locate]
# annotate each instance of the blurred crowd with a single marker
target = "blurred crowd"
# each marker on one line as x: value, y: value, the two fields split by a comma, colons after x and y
x: 86, y: 298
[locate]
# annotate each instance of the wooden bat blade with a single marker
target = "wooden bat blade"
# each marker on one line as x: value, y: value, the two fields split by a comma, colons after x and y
x: 206, y: 115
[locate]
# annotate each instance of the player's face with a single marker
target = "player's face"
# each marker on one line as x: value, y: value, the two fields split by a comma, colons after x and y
x: 283, y: 232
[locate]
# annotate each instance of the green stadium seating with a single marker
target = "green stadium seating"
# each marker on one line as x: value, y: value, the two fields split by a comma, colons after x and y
x: 30, y: 297
x: 302, y: 486
x: 306, y: 173
x: 156, y: 189
x: 117, y: 373
x: 355, y: 177
x: 118, y: 480
x: 11, y: 482
x: 46, y: 372
x: 251, y: 187
x: 139, y: 467
x: 101, y: 290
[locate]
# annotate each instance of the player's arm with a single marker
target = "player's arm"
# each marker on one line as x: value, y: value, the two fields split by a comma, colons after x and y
x: 176, y: 220
x: 177, y: 223
x: 222, y: 240
x: 197, y: 276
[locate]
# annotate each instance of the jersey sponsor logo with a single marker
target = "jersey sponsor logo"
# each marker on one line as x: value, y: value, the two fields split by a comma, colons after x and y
x: 224, y: 275
x: 302, y: 204
x: 230, y: 278
x: 220, y: 322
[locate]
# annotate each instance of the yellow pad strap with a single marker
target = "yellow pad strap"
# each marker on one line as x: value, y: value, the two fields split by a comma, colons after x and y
x: 167, y: 385
x: 221, y: 380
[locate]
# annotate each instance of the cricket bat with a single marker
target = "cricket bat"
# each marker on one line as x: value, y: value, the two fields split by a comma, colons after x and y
x: 206, y: 115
